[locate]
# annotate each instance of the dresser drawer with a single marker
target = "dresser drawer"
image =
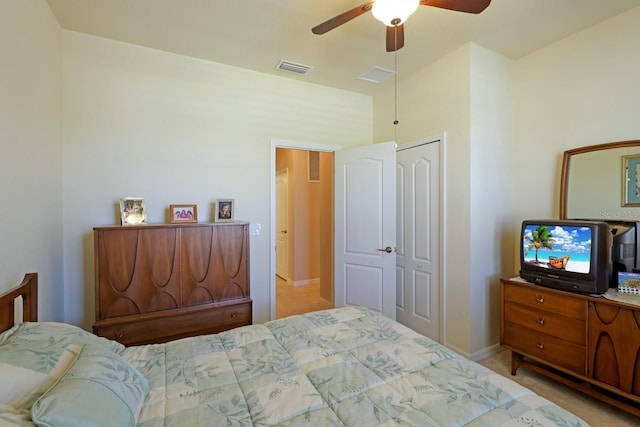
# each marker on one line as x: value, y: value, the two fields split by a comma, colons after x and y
x: 174, y: 324
x: 546, y: 348
x: 562, y: 327
x: 545, y: 300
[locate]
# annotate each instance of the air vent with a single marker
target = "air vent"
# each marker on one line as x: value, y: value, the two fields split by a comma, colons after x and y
x: 314, y: 166
x: 376, y: 75
x: 293, y: 67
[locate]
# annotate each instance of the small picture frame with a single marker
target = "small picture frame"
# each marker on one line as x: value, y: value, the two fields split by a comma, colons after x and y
x: 183, y: 213
x: 224, y: 210
x: 631, y: 180
x: 132, y: 211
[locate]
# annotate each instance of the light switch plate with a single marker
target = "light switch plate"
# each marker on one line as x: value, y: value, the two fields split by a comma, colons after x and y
x: 255, y: 229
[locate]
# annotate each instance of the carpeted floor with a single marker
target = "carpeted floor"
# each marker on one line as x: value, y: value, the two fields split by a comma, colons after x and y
x: 592, y: 411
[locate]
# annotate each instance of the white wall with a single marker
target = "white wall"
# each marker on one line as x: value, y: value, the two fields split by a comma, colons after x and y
x: 580, y: 91
x: 469, y: 95
x: 508, y: 124
x: 31, y: 146
x: 179, y: 130
x: 434, y: 100
x: 492, y: 151
x: 173, y: 129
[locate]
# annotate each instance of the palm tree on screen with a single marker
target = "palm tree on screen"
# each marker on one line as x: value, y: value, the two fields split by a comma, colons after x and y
x: 540, y: 238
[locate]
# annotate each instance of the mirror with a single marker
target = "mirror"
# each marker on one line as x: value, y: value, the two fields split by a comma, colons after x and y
x: 594, y: 179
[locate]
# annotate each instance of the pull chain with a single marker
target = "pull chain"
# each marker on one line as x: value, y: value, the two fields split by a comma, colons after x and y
x: 395, y: 85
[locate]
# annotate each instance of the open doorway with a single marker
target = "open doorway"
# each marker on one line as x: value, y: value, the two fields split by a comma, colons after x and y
x: 304, y: 231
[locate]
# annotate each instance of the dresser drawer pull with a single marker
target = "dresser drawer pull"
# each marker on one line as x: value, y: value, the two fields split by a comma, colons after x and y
x: 540, y: 320
x: 120, y: 335
x: 540, y: 299
x: 234, y: 315
x: 540, y: 345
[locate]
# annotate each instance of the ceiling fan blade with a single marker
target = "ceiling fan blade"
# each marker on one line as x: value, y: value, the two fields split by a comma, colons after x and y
x: 347, y: 16
x: 468, y: 6
x: 395, y: 38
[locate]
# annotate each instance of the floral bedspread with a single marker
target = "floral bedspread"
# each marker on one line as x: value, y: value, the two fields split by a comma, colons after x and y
x: 343, y: 367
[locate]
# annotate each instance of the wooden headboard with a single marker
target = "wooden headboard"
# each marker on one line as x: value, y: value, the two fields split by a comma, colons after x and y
x: 28, y: 290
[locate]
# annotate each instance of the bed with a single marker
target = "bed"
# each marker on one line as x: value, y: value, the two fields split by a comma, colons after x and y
x: 349, y: 366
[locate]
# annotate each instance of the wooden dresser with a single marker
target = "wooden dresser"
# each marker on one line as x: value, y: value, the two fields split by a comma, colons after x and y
x: 156, y: 283
x: 586, y: 342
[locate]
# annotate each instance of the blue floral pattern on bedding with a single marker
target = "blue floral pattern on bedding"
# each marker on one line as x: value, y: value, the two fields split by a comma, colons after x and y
x: 343, y: 367
x: 34, y: 355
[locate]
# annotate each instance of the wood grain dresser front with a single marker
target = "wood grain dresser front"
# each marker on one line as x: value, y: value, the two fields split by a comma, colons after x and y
x: 546, y: 325
x: 587, y: 342
x: 156, y: 283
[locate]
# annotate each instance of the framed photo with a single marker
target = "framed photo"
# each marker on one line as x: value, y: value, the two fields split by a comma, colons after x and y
x: 224, y: 210
x: 183, y: 213
x: 132, y: 211
x: 631, y: 180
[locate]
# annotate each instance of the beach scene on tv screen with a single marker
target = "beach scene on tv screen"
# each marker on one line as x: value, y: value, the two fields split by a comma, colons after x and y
x: 556, y: 247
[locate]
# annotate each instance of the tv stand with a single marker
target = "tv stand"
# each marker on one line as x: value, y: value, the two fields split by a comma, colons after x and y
x: 589, y: 343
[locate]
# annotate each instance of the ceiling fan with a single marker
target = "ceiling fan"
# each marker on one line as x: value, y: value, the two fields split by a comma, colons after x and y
x: 393, y: 13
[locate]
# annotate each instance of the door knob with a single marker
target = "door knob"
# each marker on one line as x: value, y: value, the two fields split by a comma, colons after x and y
x: 387, y: 250
x: 283, y: 231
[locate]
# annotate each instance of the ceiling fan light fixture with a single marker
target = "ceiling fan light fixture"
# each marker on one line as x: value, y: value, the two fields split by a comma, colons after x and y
x: 394, y: 12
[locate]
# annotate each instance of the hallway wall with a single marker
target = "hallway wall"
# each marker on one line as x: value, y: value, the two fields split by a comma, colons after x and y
x: 310, y: 227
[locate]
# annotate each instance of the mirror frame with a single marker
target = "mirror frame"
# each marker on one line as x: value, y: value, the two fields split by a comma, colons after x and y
x: 566, y: 163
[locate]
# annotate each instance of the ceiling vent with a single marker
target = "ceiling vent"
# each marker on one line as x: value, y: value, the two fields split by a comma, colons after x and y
x: 376, y: 75
x: 293, y: 67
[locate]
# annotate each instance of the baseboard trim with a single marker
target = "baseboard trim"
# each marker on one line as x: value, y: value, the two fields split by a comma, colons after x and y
x: 486, y: 352
x: 306, y: 282
x: 477, y: 355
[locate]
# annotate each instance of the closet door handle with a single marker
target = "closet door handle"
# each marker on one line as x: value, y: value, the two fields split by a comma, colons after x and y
x: 387, y: 250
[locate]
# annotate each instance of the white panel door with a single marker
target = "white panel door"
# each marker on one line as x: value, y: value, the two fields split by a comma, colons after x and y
x: 282, y: 222
x: 365, y: 217
x: 418, y: 244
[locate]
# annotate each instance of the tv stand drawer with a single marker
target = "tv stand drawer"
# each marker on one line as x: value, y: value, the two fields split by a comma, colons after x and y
x: 547, y: 322
x: 594, y: 349
x: 546, y: 299
x: 546, y: 348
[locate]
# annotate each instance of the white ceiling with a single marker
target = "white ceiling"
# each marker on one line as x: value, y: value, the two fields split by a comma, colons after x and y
x: 258, y: 34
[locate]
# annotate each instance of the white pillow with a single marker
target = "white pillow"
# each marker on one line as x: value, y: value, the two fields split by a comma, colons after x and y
x: 34, y: 355
x: 99, y: 389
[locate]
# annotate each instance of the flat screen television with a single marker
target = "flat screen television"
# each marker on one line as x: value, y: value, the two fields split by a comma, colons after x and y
x: 571, y: 255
